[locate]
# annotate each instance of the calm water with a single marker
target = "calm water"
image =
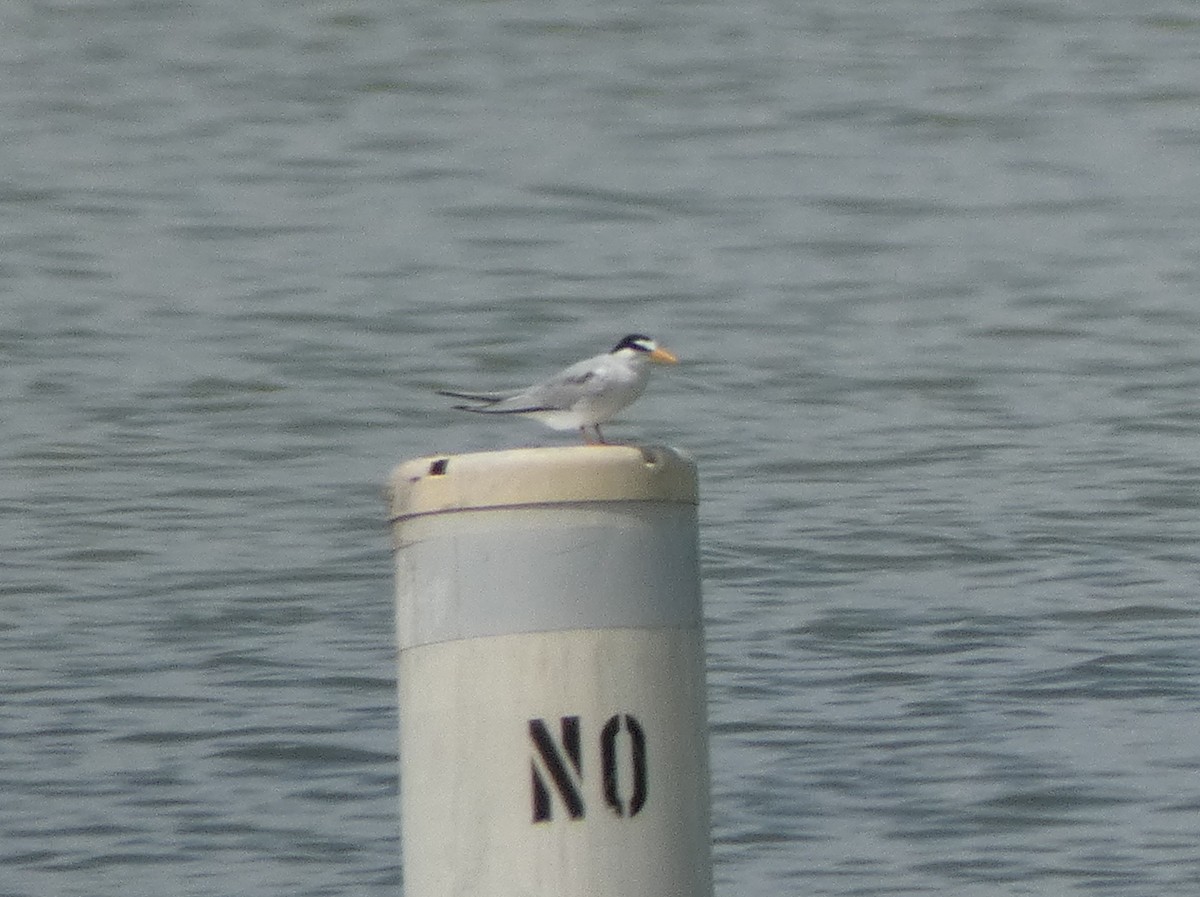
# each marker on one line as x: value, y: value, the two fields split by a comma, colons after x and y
x: 933, y: 268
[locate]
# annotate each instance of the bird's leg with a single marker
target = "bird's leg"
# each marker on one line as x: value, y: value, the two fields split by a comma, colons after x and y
x: 599, y: 435
x: 583, y: 431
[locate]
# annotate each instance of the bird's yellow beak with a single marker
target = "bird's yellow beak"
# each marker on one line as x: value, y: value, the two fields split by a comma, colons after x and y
x: 662, y: 355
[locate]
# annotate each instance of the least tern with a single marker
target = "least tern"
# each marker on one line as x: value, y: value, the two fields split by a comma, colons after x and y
x: 583, y: 396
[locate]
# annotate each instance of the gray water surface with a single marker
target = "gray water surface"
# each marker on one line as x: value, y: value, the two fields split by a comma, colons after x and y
x: 932, y: 268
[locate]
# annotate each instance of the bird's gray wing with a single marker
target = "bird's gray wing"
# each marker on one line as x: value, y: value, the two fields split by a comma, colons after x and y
x: 485, y: 397
x: 537, y: 398
x: 558, y: 393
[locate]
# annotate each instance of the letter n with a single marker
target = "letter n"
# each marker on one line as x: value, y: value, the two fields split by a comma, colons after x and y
x: 552, y: 770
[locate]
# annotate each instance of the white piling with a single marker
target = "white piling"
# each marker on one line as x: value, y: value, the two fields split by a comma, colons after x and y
x: 553, y: 731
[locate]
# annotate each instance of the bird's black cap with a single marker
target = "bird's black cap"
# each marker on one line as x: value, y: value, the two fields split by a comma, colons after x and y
x: 636, y: 341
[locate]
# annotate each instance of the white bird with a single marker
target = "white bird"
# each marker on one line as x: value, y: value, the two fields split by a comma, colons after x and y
x: 583, y: 396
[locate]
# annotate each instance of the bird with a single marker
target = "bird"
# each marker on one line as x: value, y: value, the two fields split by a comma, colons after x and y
x: 582, y: 396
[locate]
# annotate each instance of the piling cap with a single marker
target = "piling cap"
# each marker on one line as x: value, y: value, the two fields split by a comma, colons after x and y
x: 533, y: 476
